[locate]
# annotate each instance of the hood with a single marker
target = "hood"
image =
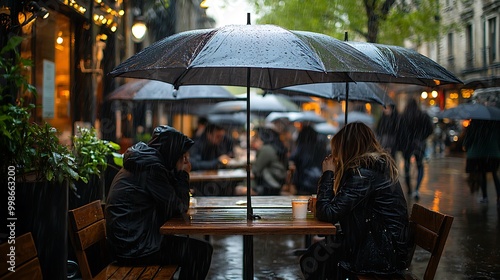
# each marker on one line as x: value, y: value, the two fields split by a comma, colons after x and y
x: 140, y: 156
x: 170, y: 143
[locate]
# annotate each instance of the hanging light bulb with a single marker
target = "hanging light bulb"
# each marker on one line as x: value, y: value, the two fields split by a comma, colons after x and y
x: 59, y: 39
x: 139, y: 29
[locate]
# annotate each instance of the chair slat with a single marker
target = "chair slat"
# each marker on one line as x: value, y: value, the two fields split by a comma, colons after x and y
x: 88, y: 227
x: 27, y: 263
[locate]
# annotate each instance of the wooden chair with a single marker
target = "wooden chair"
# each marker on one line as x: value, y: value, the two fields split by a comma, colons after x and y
x: 27, y: 265
x: 430, y: 230
x: 87, y: 227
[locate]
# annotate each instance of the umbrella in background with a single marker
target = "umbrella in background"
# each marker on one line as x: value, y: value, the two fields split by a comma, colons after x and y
x: 361, y: 91
x: 259, y: 104
x: 150, y: 90
x: 471, y: 111
x: 230, y: 119
x: 325, y: 128
x: 304, y: 116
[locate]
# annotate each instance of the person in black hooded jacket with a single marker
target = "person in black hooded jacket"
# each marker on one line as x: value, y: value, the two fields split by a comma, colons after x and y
x: 152, y: 187
x: 359, y: 190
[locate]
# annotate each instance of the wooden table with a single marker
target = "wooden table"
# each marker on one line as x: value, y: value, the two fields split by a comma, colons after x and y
x: 228, y: 216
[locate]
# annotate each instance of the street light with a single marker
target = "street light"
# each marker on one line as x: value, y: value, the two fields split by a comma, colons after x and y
x: 139, y: 29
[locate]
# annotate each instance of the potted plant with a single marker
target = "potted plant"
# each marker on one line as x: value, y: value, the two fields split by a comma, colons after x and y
x: 92, y: 155
x: 39, y: 168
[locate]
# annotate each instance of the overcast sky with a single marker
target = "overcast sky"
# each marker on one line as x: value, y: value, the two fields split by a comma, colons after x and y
x: 230, y: 12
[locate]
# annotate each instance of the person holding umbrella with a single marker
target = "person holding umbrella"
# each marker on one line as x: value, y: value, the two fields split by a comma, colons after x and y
x: 482, y: 143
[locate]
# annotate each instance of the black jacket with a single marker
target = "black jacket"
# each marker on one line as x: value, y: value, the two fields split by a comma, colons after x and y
x: 373, y: 217
x: 145, y: 194
x: 205, y: 155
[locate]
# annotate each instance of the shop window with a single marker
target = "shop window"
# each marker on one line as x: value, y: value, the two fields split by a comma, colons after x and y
x: 52, y: 56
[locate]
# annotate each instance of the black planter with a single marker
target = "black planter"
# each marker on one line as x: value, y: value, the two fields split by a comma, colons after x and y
x: 86, y: 192
x: 42, y: 209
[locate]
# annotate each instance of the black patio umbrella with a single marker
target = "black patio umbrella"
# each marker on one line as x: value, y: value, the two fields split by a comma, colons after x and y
x: 471, y: 111
x: 262, y: 56
x: 151, y: 90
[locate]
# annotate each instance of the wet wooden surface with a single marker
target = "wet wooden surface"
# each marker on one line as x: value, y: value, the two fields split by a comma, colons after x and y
x: 228, y: 216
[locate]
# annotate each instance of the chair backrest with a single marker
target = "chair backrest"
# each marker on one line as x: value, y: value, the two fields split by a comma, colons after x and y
x: 86, y: 228
x: 27, y: 265
x: 430, y: 230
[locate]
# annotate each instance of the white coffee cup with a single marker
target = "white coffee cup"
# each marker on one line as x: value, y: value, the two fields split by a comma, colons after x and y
x: 299, y: 208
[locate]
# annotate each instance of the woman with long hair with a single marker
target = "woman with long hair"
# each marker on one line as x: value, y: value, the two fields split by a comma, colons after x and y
x: 359, y: 191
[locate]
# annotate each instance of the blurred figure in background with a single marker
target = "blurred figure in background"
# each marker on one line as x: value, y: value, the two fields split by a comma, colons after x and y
x: 438, y: 139
x: 482, y: 143
x: 212, y: 150
x: 200, y: 128
x: 270, y: 166
x: 307, y: 156
x: 387, y: 129
x: 414, y: 128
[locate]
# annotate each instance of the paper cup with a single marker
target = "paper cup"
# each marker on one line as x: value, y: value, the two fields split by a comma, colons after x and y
x: 299, y: 208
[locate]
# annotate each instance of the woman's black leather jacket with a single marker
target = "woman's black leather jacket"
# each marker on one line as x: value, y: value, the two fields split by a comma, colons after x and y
x: 373, y: 217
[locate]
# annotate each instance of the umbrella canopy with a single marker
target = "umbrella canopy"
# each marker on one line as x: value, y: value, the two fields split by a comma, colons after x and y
x: 231, y: 119
x: 160, y: 91
x: 259, y: 104
x: 305, y: 116
x: 409, y: 66
x: 275, y: 56
x: 361, y: 91
x: 471, y: 111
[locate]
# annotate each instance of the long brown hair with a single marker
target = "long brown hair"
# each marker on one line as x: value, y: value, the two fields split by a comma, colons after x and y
x: 355, y: 145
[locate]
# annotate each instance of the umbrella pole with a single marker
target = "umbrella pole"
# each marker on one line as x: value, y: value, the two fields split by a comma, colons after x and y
x: 346, y: 102
x: 346, y: 38
x: 250, y: 215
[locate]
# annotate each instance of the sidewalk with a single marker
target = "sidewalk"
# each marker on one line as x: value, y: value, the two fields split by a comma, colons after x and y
x: 472, y: 250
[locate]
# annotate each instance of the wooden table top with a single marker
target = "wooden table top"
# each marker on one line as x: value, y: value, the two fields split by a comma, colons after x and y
x: 219, y: 219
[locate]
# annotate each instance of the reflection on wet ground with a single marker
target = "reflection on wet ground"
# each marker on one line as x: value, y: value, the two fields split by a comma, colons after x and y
x: 472, y: 250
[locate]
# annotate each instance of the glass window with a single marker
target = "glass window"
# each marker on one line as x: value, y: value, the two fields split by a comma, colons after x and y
x: 53, y: 44
x: 492, y: 39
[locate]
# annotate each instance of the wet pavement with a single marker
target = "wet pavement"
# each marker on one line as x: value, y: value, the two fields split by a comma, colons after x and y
x: 472, y: 250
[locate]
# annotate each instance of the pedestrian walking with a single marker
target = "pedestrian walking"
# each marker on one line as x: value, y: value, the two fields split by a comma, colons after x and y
x: 387, y: 129
x: 414, y: 128
x: 482, y: 143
